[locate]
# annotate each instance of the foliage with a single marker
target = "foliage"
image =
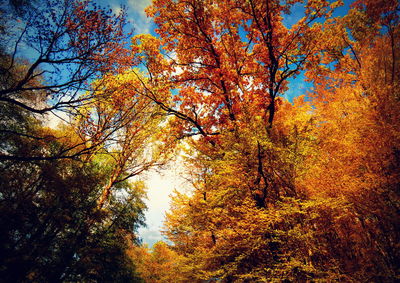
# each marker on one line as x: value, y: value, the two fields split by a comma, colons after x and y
x: 69, y: 209
x: 302, y: 191
x: 158, y: 264
x: 51, y: 52
x: 52, y: 228
x: 282, y: 191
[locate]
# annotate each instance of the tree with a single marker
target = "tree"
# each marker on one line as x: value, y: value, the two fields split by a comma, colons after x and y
x: 71, y: 42
x: 70, y: 210
x: 52, y: 228
x: 218, y: 58
x: 357, y: 151
x: 158, y: 264
x: 51, y: 52
x: 126, y: 126
x: 282, y: 191
x: 305, y: 198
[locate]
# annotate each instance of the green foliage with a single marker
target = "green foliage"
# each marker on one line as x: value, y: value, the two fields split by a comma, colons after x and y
x: 51, y: 180
x: 52, y: 229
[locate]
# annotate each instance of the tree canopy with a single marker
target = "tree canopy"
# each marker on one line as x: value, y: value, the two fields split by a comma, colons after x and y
x: 293, y: 191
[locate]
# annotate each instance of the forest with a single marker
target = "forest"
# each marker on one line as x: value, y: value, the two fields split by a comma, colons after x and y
x: 302, y: 189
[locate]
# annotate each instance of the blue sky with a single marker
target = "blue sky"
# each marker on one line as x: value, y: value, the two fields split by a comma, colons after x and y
x: 298, y: 86
x: 136, y: 14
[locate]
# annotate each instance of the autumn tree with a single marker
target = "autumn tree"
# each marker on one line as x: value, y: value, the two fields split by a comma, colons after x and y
x: 69, y: 204
x: 158, y: 263
x: 72, y: 218
x: 284, y: 191
x: 76, y: 215
x: 356, y: 154
x: 128, y: 127
x: 226, y: 65
x: 51, y: 51
x: 244, y: 225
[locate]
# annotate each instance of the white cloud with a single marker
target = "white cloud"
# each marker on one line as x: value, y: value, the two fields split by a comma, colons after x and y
x: 150, y: 236
x: 55, y: 118
x: 139, y: 5
x: 117, y: 9
x: 141, y: 25
x: 161, y: 185
x: 137, y: 15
